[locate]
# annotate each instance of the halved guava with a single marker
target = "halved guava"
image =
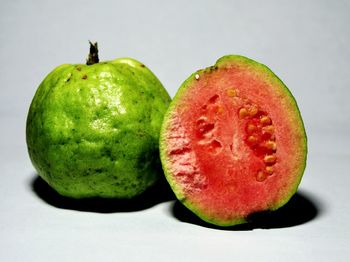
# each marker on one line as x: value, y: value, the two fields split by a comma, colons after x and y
x: 233, y: 142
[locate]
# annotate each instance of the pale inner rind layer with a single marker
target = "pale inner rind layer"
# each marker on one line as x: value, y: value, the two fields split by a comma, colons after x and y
x: 233, y: 142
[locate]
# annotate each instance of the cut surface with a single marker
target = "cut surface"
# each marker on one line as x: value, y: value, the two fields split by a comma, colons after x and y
x: 233, y: 142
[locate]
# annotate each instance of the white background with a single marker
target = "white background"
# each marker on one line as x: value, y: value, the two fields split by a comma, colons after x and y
x: 306, y: 43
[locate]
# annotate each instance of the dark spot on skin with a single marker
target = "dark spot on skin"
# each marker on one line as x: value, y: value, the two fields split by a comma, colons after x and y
x: 142, y: 159
x: 79, y: 68
x: 98, y: 114
x: 84, y: 77
x: 107, y: 152
x: 142, y: 65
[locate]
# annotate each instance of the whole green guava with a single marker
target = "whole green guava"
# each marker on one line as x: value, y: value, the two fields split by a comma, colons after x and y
x: 93, y: 130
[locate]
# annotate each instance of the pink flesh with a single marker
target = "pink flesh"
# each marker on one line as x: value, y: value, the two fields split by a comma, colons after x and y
x: 210, y: 156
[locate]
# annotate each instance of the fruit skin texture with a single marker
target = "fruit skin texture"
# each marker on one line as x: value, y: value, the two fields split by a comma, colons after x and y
x: 173, y: 136
x: 93, y: 130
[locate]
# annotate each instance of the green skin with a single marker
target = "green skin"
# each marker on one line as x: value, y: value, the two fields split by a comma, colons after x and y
x: 222, y: 63
x: 93, y: 130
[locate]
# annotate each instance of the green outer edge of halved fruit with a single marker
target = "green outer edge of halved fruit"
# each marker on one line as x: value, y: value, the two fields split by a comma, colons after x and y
x: 222, y: 62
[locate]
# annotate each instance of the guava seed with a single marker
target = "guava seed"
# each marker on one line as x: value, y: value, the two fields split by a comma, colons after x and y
x: 252, y: 140
x: 231, y: 92
x: 265, y: 120
x: 269, y: 170
x: 242, y: 113
x: 271, y: 145
x: 251, y: 128
x: 260, y: 176
x: 270, y: 159
x: 253, y: 110
x: 268, y: 129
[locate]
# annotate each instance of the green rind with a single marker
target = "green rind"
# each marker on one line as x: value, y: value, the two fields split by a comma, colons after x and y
x: 97, y: 137
x: 222, y: 62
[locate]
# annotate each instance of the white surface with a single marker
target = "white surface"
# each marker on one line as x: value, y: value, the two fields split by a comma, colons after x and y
x: 305, y: 42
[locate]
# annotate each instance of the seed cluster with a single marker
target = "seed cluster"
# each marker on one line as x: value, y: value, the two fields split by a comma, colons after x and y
x: 260, y: 137
x: 259, y: 130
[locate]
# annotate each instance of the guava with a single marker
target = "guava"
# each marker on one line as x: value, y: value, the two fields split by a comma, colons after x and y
x: 233, y: 142
x: 93, y: 130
